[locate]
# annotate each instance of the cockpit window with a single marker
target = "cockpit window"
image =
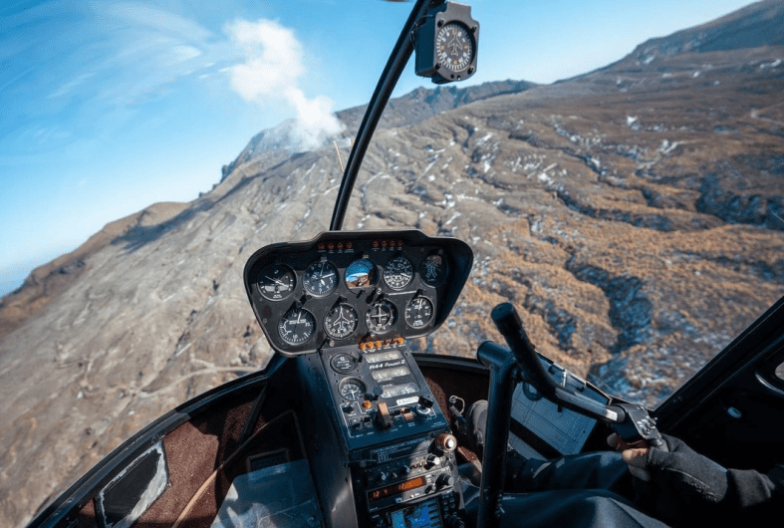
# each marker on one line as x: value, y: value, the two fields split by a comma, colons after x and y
x: 634, y: 215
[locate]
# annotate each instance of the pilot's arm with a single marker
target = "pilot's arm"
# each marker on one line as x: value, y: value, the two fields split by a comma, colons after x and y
x: 683, y: 487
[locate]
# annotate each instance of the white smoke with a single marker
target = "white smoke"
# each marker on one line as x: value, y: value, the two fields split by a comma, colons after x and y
x: 270, y: 74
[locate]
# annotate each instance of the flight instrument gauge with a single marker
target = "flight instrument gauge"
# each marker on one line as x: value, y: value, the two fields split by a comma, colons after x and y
x: 381, y: 316
x: 361, y: 274
x: 454, y: 47
x: 352, y: 389
x: 419, y: 312
x: 343, y: 363
x: 276, y: 282
x: 447, y: 43
x: 433, y: 270
x: 296, y: 326
x: 341, y: 321
x: 398, y: 273
x: 321, y: 278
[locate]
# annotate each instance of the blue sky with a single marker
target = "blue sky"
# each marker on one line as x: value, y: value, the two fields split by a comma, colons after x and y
x: 107, y: 107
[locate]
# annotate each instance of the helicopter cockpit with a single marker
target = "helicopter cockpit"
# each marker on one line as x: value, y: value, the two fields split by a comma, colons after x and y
x: 344, y: 305
x: 348, y: 425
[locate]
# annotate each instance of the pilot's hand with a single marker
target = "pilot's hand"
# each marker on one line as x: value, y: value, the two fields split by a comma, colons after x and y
x: 673, y: 482
x: 634, y: 454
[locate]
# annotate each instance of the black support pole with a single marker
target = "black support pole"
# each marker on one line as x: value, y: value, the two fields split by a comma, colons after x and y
x: 503, y: 377
x: 386, y: 84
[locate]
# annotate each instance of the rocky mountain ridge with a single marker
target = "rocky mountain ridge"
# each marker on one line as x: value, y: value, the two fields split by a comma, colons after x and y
x: 274, y: 145
x: 632, y: 214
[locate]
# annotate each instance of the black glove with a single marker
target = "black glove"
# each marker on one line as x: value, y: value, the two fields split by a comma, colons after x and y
x: 687, y: 488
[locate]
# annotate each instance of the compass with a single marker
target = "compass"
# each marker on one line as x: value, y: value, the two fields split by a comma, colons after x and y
x: 454, y: 47
x: 341, y: 321
x: 446, y: 43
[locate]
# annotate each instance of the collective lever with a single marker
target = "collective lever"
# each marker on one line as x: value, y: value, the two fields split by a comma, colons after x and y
x: 632, y: 422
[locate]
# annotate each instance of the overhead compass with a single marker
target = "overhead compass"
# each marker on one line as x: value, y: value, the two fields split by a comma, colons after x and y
x: 454, y: 47
x: 447, y: 43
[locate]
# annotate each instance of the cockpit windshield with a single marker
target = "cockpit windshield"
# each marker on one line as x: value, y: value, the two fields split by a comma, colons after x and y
x: 614, y: 170
x: 634, y: 213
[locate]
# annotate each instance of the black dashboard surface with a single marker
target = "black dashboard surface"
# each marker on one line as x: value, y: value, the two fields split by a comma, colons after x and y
x: 363, y: 287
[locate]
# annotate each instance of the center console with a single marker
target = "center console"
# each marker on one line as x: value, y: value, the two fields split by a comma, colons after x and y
x: 343, y: 306
x: 392, y: 445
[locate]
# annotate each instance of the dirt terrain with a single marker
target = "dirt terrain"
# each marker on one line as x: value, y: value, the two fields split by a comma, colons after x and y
x: 634, y: 215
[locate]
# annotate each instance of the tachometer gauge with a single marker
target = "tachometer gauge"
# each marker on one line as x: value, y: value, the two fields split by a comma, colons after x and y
x: 381, y: 316
x: 320, y: 279
x: 398, y: 273
x: 454, y: 47
x: 352, y: 389
x: 341, y: 321
x: 361, y: 274
x: 296, y: 326
x: 276, y: 282
x: 433, y: 270
x: 419, y: 312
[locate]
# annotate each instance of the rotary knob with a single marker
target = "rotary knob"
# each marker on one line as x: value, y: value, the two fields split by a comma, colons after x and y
x: 446, y: 442
x: 444, y: 481
x: 433, y: 460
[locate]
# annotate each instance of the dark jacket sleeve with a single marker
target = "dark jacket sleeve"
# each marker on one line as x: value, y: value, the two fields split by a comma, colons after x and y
x: 747, y: 488
x: 688, y: 488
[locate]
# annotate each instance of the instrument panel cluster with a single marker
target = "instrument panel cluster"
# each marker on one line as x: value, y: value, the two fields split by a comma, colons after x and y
x: 354, y: 287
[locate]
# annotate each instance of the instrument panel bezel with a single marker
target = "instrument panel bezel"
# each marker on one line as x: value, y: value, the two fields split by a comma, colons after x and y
x: 341, y: 248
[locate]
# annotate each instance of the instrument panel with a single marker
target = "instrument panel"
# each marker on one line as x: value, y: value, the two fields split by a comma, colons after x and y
x: 364, y: 287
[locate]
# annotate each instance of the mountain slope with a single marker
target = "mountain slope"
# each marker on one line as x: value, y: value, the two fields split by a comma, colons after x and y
x: 634, y: 214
